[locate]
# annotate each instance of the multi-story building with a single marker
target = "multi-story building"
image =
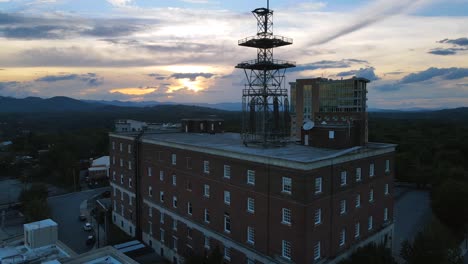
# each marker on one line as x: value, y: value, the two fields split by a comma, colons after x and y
x: 333, y: 105
x: 187, y: 193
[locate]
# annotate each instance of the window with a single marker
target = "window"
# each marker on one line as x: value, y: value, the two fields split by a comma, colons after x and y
x: 318, y: 216
x: 318, y: 185
x: 121, y: 162
x: 161, y: 218
x: 113, y: 144
x: 385, y: 214
x: 174, y: 225
x: 161, y: 175
x: 250, y: 235
x: 189, y: 162
x: 160, y: 156
x: 161, y: 196
x: 317, y: 251
x: 207, y: 242
x: 286, y: 219
x: 286, y: 249
x: 371, y: 195
x: 130, y: 182
x: 130, y: 165
x: 227, y: 197
x: 115, y: 205
x: 251, y: 177
x: 174, y: 243
x: 174, y: 159
x: 387, y: 165
x: 331, y: 134
x: 342, y: 237
x: 371, y: 170
x: 188, y: 185
x: 370, y: 223
x: 113, y: 175
x: 227, y: 253
x: 386, y: 189
x: 150, y: 191
x: 250, y: 205
x: 122, y: 210
x: 207, y: 216
x: 189, y: 233
x: 121, y: 195
x: 120, y: 147
x: 189, y: 208
x: 358, y: 200
x: 150, y: 172
x: 357, y: 230
x: 129, y: 148
x: 227, y: 223
x: 227, y: 171
x: 287, y: 185
x: 161, y: 235
x: 358, y: 175
x: 150, y: 211
x: 174, y: 180
x: 343, y: 207
x: 113, y: 160
x: 150, y: 228
x: 206, y: 190
x: 206, y: 166
x: 343, y: 178
x: 174, y: 201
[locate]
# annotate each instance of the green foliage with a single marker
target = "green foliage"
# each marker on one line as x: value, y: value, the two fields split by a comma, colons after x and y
x: 370, y: 254
x: 215, y: 257
x: 34, y: 202
x: 434, y: 245
x: 449, y: 203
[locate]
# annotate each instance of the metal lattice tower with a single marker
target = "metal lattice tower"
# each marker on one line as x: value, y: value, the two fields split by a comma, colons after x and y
x: 265, y: 105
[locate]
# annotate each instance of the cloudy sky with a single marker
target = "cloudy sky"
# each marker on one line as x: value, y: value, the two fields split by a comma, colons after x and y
x: 414, y: 51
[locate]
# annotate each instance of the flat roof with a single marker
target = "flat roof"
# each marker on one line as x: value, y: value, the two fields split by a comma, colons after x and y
x: 40, y: 224
x: 291, y: 155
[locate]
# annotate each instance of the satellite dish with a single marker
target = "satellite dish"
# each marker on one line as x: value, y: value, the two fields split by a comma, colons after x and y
x: 308, y: 125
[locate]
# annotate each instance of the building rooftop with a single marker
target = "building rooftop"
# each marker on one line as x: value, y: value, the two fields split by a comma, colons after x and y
x: 40, y: 224
x: 292, y: 155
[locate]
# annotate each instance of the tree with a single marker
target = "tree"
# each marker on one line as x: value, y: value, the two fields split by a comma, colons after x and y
x: 449, y: 202
x: 34, y: 202
x: 370, y: 254
x: 215, y: 257
x: 434, y: 245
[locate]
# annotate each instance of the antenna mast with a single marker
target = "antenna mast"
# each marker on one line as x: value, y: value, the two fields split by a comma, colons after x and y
x: 265, y: 105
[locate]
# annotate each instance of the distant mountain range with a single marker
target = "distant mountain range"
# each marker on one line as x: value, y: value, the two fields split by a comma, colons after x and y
x: 66, y: 104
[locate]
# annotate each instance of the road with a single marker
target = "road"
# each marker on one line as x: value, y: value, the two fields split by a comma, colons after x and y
x: 65, y: 211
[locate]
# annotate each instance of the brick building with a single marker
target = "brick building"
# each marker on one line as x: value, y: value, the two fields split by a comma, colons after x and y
x: 186, y: 193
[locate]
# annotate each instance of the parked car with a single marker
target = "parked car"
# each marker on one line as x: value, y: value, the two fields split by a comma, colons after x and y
x: 90, y: 240
x: 82, y: 217
x: 88, y: 227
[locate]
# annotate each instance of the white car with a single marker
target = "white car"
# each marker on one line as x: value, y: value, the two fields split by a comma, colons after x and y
x: 87, y: 227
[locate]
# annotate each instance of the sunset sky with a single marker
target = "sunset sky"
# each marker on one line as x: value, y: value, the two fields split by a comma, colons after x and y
x: 414, y: 51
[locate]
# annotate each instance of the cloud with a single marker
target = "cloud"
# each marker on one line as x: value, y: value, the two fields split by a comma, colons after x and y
x: 158, y: 76
x: 191, y: 76
x: 376, y: 11
x: 367, y: 73
x: 327, y: 64
x: 443, y: 52
x: 120, y: 3
x: 458, y: 42
x: 4, y: 85
x: 90, y: 78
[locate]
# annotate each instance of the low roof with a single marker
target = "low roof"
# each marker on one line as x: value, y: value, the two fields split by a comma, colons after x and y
x: 40, y: 224
x: 102, y: 161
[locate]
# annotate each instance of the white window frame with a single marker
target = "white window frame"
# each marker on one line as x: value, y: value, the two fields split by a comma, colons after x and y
x: 161, y: 175
x: 161, y: 218
x: 174, y: 224
x: 342, y: 207
x: 129, y: 148
x: 370, y: 223
x: 120, y: 146
x: 161, y: 196
x: 371, y: 195
x: 287, y: 185
x: 206, y: 166
x: 150, y: 171
x: 113, y: 144
x: 129, y: 182
x: 342, y: 237
x: 343, y: 178
x: 189, y: 208
x: 387, y: 165
x: 150, y: 191
x: 207, y: 242
x: 286, y: 216
x: 175, y: 242
x: 174, y: 201
x: 250, y: 235
x: 371, y: 170
x: 121, y: 162
x: 358, y: 201
x: 227, y: 197
x: 206, y: 216
x: 385, y: 218
x: 150, y: 211
x: 174, y: 159
x: 227, y: 223
x: 317, y: 251
x: 150, y: 228
x: 357, y: 230
x: 251, y: 177
x: 113, y: 175
x: 318, y: 216
x: 161, y: 235
x: 358, y: 174
x: 130, y: 165
x: 206, y: 190
x: 227, y: 172
x: 250, y: 205
x: 318, y: 185
x: 386, y: 190
x: 174, y: 180
x: 286, y: 249
x: 227, y: 253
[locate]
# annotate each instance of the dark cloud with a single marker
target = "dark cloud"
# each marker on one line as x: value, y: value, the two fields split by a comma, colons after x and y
x: 34, y: 32
x: 388, y: 87
x: 367, y: 73
x: 327, y: 64
x: 158, y: 76
x: 4, y: 85
x: 459, y: 41
x: 117, y: 30
x: 191, y: 76
x: 445, y: 52
x: 90, y: 78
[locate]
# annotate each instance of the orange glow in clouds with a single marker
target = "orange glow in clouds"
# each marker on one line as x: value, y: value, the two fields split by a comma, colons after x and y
x: 134, y: 91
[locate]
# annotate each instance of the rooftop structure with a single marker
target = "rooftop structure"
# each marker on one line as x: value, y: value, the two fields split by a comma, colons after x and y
x: 265, y: 105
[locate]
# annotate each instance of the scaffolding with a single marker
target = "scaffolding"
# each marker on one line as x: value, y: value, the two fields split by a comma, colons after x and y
x: 265, y: 107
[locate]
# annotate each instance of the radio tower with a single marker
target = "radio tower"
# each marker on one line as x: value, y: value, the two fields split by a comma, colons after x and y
x: 265, y: 105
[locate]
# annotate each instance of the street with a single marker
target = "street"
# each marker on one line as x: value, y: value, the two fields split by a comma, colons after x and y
x: 65, y: 211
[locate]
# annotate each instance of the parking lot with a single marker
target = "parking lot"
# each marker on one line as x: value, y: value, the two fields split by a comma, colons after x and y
x: 66, y: 212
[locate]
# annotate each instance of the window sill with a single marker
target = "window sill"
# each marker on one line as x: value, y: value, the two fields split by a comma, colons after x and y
x: 286, y: 223
x: 286, y: 192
